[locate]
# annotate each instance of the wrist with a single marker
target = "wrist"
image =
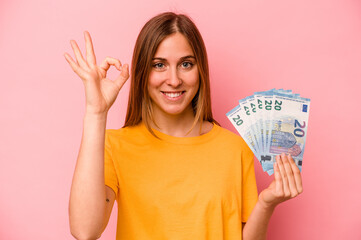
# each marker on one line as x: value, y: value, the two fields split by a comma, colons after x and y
x: 96, y: 116
x: 268, y: 207
x: 96, y: 111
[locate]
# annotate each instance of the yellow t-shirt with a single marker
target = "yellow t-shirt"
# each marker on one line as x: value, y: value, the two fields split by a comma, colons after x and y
x: 177, y: 188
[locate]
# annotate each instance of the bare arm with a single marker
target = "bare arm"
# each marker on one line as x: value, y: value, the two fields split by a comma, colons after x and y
x: 91, y: 202
x: 257, y: 224
x: 88, y: 205
x: 287, y: 185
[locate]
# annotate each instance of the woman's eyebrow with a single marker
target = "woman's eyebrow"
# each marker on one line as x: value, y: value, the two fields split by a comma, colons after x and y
x: 182, y: 58
x: 189, y: 56
x: 158, y: 58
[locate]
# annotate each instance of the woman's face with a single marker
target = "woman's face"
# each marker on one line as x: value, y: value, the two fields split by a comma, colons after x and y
x: 174, y: 78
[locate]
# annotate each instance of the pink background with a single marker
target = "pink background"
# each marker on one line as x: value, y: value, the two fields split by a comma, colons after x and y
x: 310, y: 46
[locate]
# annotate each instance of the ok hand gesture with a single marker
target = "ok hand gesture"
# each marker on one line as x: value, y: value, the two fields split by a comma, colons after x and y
x: 100, y: 91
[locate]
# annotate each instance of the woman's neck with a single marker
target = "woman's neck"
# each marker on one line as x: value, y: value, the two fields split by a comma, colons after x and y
x: 178, y: 125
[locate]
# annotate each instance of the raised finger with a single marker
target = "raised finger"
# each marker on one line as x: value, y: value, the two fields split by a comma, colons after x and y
x: 71, y: 62
x: 297, y: 175
x: 290, y: 176
x: 74, y: 65
x: 78, y: 55
x: 286, y: 187
x: 90, y: 56
x: 108, y: 61
x: 123, y: 76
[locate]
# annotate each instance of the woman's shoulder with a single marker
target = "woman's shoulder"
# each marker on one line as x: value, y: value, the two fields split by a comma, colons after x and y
x: 230, y: 137
x: 128, y: 133
x: 122, y: 130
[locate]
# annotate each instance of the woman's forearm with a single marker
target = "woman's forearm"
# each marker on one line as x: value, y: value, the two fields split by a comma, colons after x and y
x: 87, y: 196
x: 257, y: 224
x: 286, y: 185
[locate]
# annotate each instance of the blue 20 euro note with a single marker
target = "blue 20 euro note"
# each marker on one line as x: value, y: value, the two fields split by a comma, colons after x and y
x: 273, y: 122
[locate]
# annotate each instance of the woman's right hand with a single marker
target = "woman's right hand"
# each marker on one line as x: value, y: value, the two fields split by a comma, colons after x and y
x: 100, y: 92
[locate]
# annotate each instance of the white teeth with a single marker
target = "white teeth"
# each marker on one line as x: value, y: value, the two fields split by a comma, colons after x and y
x: 173, y: 95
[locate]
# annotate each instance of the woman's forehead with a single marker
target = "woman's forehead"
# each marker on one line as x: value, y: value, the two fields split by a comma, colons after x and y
x: 174, y: 46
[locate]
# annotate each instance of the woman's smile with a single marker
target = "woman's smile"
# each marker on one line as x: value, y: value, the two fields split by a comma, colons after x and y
x: 173, y: 96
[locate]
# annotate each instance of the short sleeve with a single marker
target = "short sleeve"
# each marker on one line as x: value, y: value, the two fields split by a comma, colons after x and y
x: 249, y: 186
x: 110, y: 174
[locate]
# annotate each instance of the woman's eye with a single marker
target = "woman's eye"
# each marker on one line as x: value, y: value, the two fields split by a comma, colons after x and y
x: 187, y: 64
x: 158, y: 65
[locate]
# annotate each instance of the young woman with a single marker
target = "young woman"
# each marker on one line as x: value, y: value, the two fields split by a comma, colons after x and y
x: 175, y: 173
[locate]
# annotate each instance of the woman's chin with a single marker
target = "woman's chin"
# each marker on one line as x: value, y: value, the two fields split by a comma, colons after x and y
x: 176, y: 111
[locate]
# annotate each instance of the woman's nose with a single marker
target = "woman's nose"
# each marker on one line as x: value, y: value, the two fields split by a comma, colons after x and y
x: 173, y: 78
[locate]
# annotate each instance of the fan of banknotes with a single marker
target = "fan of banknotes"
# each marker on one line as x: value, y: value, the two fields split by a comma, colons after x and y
x: 273, y: 122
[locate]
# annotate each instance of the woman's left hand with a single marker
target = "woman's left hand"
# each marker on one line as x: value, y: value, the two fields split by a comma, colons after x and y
x: 286, y: 185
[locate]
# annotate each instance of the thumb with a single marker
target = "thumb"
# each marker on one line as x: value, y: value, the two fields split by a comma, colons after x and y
x: 123, y: 76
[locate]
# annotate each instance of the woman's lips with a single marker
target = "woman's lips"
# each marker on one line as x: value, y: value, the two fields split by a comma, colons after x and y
x: 173, y: 96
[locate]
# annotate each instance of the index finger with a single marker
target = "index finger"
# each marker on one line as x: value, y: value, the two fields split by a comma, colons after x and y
x: 90, y: 56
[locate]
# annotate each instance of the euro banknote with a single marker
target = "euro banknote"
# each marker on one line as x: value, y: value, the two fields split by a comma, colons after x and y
x: 273, y: 122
